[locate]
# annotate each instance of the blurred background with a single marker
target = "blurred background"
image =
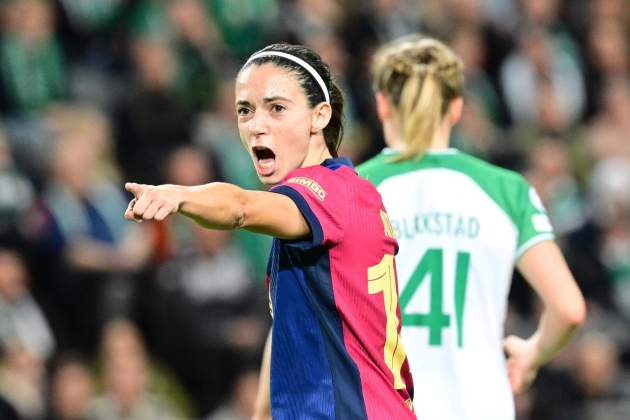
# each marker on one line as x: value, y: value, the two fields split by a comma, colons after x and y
x: 104, y: 319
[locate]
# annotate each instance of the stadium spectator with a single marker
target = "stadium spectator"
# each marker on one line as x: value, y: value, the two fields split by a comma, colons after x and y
x: 92, y: 254
x: 71, y: 389
x: 17, y: 194
x: 142, y: 140
x: 245, y: 26
x: 31, y: 59
x: 21, y: 319
x: 478, y: 132
x: 542, y: 83
x: 603, y: 383
x: 549, y: 171
x: 610, y: 203
x: 306, y: 19
x: 607, y: 61
x: 128, y: 379
x: 22, y: 382
x: 606, y: 134
x: 240, y: 406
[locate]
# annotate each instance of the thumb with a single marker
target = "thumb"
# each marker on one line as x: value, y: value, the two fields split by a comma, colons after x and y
x: 135, y: 189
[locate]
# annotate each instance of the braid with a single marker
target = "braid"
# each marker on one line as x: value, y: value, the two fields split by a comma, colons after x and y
x: 421, y: 76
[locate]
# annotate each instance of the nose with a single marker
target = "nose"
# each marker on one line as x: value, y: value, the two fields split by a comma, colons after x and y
x: 258, y: 124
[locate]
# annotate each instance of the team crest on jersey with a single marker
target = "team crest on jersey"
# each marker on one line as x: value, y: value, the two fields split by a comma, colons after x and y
x: 319, y: 192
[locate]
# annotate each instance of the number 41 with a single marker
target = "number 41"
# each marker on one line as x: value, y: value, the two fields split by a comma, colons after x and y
x: 432, y: 264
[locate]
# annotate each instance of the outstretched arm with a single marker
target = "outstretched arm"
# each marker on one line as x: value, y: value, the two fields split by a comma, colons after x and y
x: 545, y: 269
x: 219, y: 206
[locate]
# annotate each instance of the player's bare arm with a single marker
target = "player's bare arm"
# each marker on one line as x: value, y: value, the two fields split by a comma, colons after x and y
x: 262, y: 406
x: 546, y: 270
x: 219, y: 206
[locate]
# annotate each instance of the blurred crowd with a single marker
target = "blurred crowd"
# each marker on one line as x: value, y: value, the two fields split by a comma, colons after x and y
x: 105, y: 319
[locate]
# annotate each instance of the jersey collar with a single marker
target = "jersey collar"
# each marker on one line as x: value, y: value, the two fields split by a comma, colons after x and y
x: 449, y: 151
x: 336, y: 163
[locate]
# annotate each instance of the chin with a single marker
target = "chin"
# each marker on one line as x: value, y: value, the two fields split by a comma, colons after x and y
x: 270, y: 180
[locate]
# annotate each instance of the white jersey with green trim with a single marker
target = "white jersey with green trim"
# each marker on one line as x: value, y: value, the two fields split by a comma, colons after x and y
x: 461, y: 224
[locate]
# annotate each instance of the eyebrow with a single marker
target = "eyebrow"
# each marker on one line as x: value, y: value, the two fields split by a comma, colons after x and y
x: 276, y: 98
x: 265, y: 100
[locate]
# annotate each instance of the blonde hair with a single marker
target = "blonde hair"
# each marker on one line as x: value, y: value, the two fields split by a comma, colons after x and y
x: 421, y: 76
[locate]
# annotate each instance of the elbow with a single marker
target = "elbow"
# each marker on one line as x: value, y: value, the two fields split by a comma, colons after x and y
x: 575, y: 314
x: 239, y: 212
x: 580, y: 316
x: 238, y: 220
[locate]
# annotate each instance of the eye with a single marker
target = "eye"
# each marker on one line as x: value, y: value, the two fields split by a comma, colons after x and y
x: 242, y: 111
x: 277, y: 108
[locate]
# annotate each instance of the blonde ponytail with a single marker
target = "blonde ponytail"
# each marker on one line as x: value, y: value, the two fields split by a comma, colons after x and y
x: 421, y: 76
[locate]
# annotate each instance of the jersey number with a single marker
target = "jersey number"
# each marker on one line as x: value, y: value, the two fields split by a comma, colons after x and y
x: 432, y: 264
x: 382, y: 278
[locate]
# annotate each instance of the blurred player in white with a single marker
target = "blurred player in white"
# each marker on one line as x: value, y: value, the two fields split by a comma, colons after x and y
x: 462, y: 225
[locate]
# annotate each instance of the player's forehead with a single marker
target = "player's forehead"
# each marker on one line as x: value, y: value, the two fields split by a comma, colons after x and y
x: 256, y: 82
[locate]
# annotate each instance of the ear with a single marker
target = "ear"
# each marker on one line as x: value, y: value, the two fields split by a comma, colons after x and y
x: 455, y: 109
x: 383, y: 106
x: 320, y: 117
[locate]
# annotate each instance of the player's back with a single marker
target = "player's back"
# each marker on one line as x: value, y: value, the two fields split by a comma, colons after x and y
x: 460, y: 223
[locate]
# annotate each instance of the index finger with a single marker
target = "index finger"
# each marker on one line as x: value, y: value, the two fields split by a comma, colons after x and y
x: 135, y: 189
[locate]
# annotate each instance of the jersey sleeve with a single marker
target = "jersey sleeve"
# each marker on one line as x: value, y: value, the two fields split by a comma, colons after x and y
x: 533, y: 223
x: 323, y: 202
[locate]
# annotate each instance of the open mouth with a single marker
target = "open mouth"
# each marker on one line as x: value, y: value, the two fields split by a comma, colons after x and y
x: 265, y: 159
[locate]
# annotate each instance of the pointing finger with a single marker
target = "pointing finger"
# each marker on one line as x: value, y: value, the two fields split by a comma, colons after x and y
x: 135, y: 189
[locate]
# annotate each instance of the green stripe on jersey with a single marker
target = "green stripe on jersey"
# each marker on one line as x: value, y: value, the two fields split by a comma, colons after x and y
x: 508, y: 189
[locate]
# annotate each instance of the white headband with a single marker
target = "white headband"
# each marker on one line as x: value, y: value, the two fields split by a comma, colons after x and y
x: 297, y: 60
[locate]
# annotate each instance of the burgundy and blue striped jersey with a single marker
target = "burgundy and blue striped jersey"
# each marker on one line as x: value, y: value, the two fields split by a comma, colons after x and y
x: 336, y: 349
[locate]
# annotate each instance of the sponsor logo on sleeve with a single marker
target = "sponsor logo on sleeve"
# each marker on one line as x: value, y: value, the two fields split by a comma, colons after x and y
x: 313, y: 186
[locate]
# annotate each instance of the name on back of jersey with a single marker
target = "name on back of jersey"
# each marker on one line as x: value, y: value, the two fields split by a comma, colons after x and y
x: 436, y: 223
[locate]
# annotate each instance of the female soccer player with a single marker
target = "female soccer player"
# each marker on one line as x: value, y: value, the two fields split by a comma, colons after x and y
x: 462, y: 224
x: 336, y: 351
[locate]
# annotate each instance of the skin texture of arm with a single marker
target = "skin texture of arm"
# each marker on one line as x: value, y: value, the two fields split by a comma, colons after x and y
x: 262, y: 409
x: 545, y: 269
x: 219, y: 206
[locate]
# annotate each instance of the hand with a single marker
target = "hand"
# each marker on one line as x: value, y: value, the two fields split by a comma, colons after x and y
x: 151, y: 202
x: 521, y: 362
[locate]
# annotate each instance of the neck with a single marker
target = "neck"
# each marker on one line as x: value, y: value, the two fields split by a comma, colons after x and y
x: 317, y: 152
x: 441, y: 137
x: 395, y: 140
x: 393, y: 137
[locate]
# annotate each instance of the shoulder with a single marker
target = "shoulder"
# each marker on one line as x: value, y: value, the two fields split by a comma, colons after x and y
x: 484, y: 172
x: 382, y: 167
x: 373, y: 164
x: 507, y: 188
x: 330, y: 187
